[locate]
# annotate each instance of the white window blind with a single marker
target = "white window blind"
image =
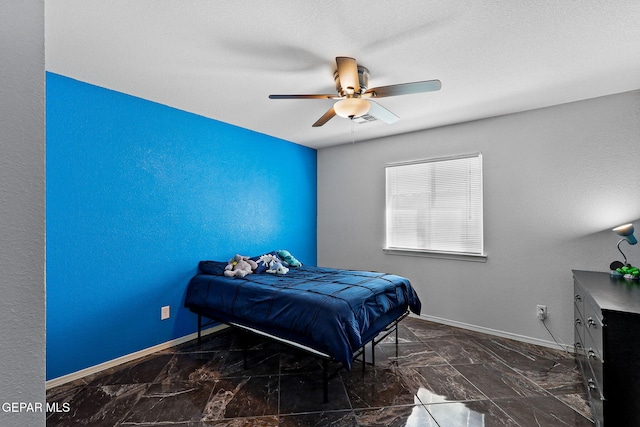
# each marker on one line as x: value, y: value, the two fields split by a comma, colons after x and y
x: 435, y: 205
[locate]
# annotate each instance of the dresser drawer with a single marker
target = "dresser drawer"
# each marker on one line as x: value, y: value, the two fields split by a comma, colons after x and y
x: 578, y: 299
x: 596, y: 367
x: 592, y: 323
x: 579, y: 332
x: 597, y: 409
x: 590, y: 366
x: 581, y: 354
x: 579, y: 327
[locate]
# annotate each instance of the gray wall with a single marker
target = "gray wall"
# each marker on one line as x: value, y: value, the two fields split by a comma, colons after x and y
x: 22, y: 290
x: 556, y: 180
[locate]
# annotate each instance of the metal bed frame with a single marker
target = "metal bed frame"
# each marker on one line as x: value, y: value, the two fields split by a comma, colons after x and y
x: 326, y: 376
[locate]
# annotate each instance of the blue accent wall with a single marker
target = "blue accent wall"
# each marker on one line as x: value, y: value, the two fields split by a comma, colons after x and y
x: 136, y: 194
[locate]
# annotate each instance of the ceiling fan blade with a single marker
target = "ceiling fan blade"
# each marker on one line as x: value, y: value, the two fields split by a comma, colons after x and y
x: 403, y: 89
x: 325, y: 118
x: 314, y: 96
x: 379, y: 112
x: 348, y: 73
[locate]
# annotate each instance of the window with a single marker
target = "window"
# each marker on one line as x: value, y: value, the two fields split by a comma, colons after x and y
x: 435, y: 206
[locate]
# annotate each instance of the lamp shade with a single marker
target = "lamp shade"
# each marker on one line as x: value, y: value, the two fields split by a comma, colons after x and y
x: 626, y: 231
x: 351, y: 107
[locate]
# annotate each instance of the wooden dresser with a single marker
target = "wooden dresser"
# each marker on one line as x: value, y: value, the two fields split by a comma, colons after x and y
x: 607, y: 344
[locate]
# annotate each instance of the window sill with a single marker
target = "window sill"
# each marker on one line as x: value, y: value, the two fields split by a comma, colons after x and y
x: 436, y: 254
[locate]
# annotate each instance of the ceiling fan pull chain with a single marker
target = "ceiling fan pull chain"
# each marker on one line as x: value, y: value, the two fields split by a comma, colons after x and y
x: 353, y: 132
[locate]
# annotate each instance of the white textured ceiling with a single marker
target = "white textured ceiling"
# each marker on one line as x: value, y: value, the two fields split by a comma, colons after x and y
x: 221, y: 59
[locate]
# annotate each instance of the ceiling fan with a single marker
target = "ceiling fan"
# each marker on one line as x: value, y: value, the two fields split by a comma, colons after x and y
x: 355, y: 98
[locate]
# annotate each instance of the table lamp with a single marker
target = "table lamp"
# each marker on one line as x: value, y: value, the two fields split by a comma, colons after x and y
x: 626, y: 231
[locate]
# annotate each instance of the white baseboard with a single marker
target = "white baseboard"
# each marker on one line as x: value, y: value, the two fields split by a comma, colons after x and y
x: 128, y: 357
x: 147, y: 351
x: 498, y: 333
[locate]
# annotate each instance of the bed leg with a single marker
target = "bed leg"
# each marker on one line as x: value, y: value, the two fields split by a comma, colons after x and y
x: 199, y: 328
x: 396, y: 340
x: 373, y: 353
x: 325, y: 380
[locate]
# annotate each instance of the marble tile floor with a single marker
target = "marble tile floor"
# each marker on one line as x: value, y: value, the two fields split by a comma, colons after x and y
x: 443, y: 376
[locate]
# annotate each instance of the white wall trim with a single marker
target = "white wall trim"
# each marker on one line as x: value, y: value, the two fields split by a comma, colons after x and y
x: 55, y: 382
x: 502, y: 334
x: 128, y: 357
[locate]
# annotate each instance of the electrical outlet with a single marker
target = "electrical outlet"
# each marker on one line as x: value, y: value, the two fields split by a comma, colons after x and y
x: 541, y: 311
x: 165, y: 312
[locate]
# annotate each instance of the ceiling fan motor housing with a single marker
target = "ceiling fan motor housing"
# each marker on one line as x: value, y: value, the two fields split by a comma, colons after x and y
x: 363, y: 80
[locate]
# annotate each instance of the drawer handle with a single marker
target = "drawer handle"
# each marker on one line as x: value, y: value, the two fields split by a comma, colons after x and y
x: 577, y: 297
x: 591, y: 322
x: 591, y: 384
x: 591, y: 354
x: 578, y: 322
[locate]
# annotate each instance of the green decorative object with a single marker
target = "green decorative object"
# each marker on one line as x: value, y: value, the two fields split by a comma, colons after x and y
x: 629, y: 272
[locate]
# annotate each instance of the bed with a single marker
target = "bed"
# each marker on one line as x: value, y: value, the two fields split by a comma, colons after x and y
x: 331, y: 313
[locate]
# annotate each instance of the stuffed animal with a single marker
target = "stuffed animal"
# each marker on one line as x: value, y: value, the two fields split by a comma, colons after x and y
x: 266, y: 260
x: 276, y: 267
x: 240, y: 266
x: 271, y: 264
x: 288, y: 259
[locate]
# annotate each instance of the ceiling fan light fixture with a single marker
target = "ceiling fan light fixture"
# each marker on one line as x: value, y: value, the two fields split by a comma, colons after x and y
x: 352, y: 85
x: 351, y: 107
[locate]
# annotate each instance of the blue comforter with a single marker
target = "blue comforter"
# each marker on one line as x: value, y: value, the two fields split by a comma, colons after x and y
x: 332, y: 311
